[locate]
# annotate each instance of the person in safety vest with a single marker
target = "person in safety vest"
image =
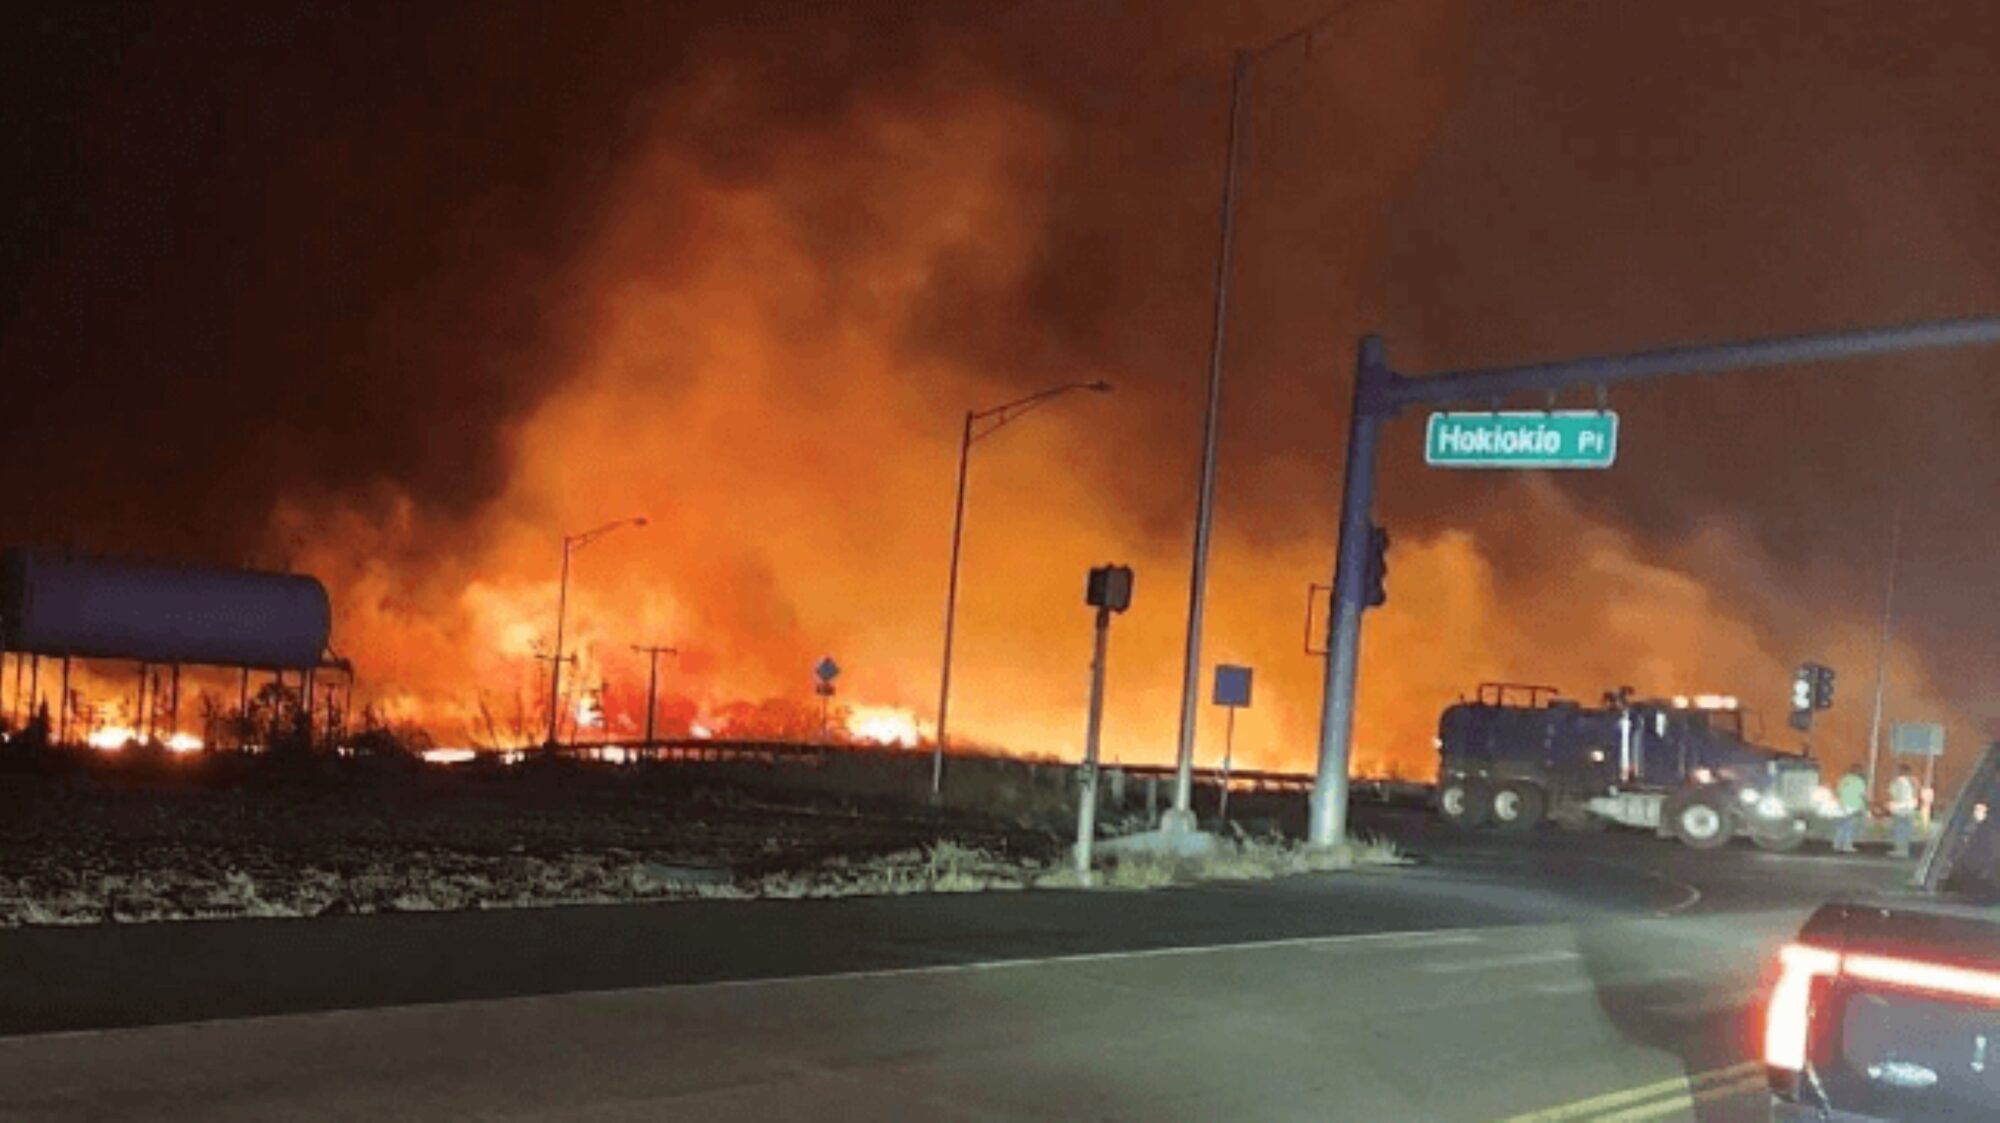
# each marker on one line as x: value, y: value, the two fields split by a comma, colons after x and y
x: 1903, y: 809
x: 1852, y: 792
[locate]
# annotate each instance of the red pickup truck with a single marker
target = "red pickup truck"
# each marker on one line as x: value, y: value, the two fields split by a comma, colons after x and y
x: 1888, y: 1007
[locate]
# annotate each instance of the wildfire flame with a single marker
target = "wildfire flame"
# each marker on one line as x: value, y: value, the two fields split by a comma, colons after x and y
x: 885, y: 725
x: 111, y: 738
x: 782, y: 544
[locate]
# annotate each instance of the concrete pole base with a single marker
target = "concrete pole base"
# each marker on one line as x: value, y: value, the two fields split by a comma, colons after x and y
x: 1165, y: 841
x: 1338, y: 856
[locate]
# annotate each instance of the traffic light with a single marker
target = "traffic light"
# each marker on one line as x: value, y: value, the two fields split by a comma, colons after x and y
x: 1376, y: 588
x: 1812, y: 689
x: 1804, y: 681
x: 1109, y: 587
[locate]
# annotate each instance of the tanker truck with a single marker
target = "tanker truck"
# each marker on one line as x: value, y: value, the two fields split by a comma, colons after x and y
x: 1516, y: 756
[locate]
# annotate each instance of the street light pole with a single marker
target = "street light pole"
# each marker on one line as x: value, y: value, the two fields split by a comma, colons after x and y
x: 1000, y: 416
x: 1181, y: 817
x: 1882, y: 650
x: 951, y: 607
x: 570, y: 544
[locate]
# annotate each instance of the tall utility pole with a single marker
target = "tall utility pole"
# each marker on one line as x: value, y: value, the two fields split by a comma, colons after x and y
x: 1882, y: 651
x: 1380, y: 393
x: 1181, y: 816
x: 555, y: 704
x: 652, y: 654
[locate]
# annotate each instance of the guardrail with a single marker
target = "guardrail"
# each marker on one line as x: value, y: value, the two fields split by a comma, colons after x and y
x: 716, y: 750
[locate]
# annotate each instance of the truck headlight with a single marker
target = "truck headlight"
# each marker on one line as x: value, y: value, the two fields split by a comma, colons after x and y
x: 1748, y: 795
x: 1771, y: 807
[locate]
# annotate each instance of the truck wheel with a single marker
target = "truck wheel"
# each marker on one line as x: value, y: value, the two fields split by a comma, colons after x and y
x: 1700, y: 818
x: 1464, y: 803
x: 1518, y: 808
x: 1780, y: 838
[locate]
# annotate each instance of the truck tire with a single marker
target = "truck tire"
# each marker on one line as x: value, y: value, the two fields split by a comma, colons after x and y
x: 1518, y: 807
x: 1700, y: 818
x: 1780, y: 838
x: 1465, y: 803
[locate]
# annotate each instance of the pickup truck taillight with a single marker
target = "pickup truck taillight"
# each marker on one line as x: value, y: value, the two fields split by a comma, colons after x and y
x: 1788, y: 1022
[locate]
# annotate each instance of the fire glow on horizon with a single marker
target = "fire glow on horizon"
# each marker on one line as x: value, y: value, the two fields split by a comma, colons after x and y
x: 759, y: 394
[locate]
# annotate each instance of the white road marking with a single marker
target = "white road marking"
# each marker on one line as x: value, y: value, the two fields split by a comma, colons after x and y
x: 1701, y: 1007
x: 1443, y: 940
x: 1635, y: 979
x: 1414, y: 938
x: 1692, y: 899
x: 1500, y: 962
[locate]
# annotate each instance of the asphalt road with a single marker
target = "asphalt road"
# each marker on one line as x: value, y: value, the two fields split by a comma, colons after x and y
x: 1559, y: 976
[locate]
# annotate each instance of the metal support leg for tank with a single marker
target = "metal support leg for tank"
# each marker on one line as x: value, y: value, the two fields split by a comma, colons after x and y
x: 62, y: 713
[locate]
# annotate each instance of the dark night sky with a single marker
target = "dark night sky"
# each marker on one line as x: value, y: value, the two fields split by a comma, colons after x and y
x: 319, y: 249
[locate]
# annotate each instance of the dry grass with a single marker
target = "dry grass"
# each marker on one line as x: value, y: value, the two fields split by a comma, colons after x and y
x: 1243, y: 858
x: 220, y: 842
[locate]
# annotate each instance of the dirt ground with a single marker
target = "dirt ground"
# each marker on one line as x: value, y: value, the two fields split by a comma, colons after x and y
x: 207, y: 838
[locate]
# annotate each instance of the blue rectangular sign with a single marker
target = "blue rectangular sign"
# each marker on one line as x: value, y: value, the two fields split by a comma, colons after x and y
x: 1232, y: 686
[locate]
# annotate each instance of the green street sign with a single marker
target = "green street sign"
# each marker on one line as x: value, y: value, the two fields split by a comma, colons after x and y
x: 1562, y: 439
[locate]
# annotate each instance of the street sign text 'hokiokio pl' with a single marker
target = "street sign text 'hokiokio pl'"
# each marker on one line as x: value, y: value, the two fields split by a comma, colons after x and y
x: 1562, y: 439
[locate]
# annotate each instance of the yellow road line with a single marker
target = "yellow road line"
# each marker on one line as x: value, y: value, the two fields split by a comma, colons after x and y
x: 1682, y: 1087
x: 1687, y: 1101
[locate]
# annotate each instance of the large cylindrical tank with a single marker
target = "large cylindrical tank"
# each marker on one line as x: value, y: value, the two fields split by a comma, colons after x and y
x: 104, y: 609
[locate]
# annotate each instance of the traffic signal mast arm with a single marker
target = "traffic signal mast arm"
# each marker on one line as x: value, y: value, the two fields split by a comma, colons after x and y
x: 1379, y: 393
x: 1393, y: 391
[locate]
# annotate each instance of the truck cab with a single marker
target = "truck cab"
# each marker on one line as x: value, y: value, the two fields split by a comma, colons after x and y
x: 1888, y: 1007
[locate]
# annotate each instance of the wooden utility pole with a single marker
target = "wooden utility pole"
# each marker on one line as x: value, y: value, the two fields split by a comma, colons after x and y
x: 652, y: 654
